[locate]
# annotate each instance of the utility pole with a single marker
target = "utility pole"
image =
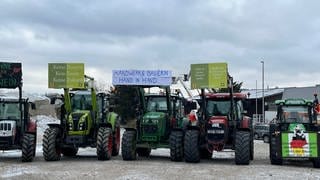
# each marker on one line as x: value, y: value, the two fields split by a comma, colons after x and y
x: 263, y: 92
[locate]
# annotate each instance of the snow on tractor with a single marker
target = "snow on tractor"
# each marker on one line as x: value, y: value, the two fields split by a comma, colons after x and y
x: 87, y: 120
x: 295, y: 133
x: 219, y: 124
x: 17, y: 129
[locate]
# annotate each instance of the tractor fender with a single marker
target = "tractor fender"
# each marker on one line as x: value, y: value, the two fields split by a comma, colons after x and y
x: 246, y: 123
x: 32, y: 126
x: 112, y: 119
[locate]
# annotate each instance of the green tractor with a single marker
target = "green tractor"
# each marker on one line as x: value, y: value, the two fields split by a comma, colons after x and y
x: 294, y: 135
x: 85, y: 122
x: 159, y: 121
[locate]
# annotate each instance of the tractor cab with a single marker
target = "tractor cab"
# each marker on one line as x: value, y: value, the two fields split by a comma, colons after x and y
x: 294, y: 111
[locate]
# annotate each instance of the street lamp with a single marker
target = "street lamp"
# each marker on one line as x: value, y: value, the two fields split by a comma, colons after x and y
x: 262, y: 62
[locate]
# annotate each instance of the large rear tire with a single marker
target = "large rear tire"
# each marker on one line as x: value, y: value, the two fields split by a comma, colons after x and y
x: 28, y: 147
x: 316, y: 163
x: 274, y: 159
x: 104, y: 143
x: 50, y: 145
x: 69, y: 151
x: 242, y: 148
x: 191, y: 146
x: 176, y: 145
x: 116, y: 142
x: 128, y: 149
x: 251, y: 148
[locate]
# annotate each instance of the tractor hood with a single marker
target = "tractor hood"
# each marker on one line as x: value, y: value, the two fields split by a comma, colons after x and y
x: 218, y: 120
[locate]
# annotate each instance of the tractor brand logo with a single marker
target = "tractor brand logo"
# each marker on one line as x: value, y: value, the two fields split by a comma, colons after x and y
x: 298, y: 143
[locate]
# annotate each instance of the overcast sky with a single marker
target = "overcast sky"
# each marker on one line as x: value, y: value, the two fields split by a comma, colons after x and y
x: 166, y: 34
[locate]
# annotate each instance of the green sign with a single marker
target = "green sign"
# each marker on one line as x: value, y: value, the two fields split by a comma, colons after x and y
x: 212, y: 75
x: 66, y: 75
x: 10, y: 75
x: 298, y: 143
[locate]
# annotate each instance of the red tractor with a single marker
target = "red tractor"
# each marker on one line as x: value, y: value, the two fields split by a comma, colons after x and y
x: 220, y: 124
x: 17, y: 129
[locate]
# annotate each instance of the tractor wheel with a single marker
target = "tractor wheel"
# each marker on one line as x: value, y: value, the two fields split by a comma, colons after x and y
x: 116, y: 142
x: 69, y: 151
x: 143, y: 152
x: 251, y: 149
x: 273, y: 152
x: 28, y: 147
x: 191, y: 146
x: 266, y: 139
x: 256, y: 136
x: 205, y: 154
x: 51, y: 149
x: 176, y: 145
x: 316, y: 163
x: 242, y: 148
x: 104, y: 143
x: 128, y: 149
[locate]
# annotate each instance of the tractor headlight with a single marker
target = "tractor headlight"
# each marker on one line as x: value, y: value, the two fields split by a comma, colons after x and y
x: 70, y: 126
x: 81, y: 126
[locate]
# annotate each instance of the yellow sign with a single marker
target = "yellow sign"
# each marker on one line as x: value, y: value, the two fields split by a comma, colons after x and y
x: 66, y: 75
x: 212, y: 75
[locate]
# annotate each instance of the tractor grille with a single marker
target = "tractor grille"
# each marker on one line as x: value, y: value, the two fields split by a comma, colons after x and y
x: 150, y: 129
x: 216, y: 133
x: 5, y: 127
x: 75, y: 118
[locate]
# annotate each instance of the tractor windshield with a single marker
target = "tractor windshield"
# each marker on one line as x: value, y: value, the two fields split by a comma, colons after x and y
x: 218, y: 108
x: 222, y: 107
x: 9, y: 110
x: 296, y: 114
x: 81, y: 102
x: 157, y: 104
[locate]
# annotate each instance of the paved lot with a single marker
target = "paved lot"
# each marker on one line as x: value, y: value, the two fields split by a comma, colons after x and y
x: 158, y: 166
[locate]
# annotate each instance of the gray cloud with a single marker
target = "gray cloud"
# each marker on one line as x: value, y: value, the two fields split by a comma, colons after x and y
x: 168, y: 34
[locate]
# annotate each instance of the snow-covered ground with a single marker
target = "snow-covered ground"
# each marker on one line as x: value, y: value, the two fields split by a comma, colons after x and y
x: 158, y: 166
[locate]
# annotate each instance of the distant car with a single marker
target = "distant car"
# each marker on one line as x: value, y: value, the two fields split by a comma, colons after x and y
x: 261, y: 131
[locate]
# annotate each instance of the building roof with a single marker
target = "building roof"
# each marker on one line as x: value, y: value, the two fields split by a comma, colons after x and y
x: 301, y: 92
x: 257, y: 93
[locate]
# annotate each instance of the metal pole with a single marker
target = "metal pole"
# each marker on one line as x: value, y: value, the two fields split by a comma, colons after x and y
x: 263, y: 91
x: 256, y: 99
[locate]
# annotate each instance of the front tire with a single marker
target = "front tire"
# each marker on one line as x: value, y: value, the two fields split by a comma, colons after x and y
x: 273, y: 152
x: 316, y: 163
x: 242, y: 148
x: 104, y: 143
x: 128, y: 149
x: 28, y: 147
x: 191, y: 146
x: 50, y: 145
x: 176, y: 145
